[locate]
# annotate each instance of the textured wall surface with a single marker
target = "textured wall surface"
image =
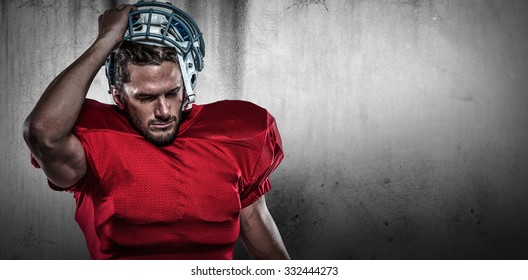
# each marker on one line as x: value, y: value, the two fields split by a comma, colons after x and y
x: 404, y: 122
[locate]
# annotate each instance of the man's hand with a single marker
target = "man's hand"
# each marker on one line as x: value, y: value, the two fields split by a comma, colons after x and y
x: 113, y: 24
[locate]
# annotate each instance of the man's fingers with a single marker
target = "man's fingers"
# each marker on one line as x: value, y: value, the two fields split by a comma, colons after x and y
x: 127, y: 7
x: 114, y: 22
x: 131, y: 8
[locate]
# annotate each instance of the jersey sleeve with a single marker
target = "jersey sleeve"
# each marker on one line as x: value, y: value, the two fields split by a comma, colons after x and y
x: 86, y: 116
x: 73, y: 188
x: 269, y: 158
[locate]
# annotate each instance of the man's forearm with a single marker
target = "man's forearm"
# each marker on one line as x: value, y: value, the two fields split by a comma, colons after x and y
x: 58, y: 108
x: 260, y: 234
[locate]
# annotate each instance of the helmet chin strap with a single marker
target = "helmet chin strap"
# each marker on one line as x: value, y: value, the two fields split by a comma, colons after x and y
x: 189, y: 93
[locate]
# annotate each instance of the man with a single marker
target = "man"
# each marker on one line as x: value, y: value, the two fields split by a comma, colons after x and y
x: 151, y: 179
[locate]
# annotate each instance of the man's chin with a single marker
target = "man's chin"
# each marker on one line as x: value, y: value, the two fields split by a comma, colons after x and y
x: 162, y: 139
x: 158, y: 137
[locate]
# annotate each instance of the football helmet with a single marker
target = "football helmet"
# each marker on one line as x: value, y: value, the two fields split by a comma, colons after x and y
x: 162, y: 24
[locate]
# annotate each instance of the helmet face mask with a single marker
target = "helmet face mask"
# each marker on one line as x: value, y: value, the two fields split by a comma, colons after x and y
x: 161, y: 24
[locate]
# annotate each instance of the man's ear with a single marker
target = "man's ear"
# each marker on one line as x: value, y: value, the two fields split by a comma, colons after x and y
x: 116, y: 95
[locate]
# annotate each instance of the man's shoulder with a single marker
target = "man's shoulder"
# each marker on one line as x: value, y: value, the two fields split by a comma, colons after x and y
x: 94, y: 106
x: 231, y: 119
x: 95, y: 115
x: 236, y: 108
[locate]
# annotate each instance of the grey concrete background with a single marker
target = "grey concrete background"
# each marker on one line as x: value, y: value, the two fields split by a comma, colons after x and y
x: 404, y: 122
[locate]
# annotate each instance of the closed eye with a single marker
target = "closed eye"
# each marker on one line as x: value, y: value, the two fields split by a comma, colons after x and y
x: 174, y: 92
x: 146, y: 97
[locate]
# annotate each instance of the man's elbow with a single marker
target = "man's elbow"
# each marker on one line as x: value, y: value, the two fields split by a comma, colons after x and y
x: 37, y: 136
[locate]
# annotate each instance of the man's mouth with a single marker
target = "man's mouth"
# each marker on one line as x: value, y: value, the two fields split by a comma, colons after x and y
x: 162, y: 125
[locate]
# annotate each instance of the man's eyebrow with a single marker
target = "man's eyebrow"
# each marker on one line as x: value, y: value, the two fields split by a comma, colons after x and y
x: 175, y: 89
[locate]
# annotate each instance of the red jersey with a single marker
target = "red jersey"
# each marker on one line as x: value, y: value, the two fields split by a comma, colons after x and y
x: 180, y: 201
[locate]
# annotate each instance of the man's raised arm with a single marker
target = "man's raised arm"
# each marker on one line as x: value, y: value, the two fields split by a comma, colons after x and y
x: 48, y: 128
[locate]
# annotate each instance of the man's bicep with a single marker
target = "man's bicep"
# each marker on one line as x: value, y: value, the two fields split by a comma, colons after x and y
x: 65, y: 164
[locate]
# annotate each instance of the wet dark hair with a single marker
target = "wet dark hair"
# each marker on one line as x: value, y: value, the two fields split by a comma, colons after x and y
x: 139, y: 54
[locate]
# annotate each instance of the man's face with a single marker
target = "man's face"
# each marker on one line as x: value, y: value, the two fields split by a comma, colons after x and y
x: 153, y: 100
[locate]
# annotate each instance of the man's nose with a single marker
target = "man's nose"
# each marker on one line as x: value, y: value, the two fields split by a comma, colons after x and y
x: 162, y: 109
